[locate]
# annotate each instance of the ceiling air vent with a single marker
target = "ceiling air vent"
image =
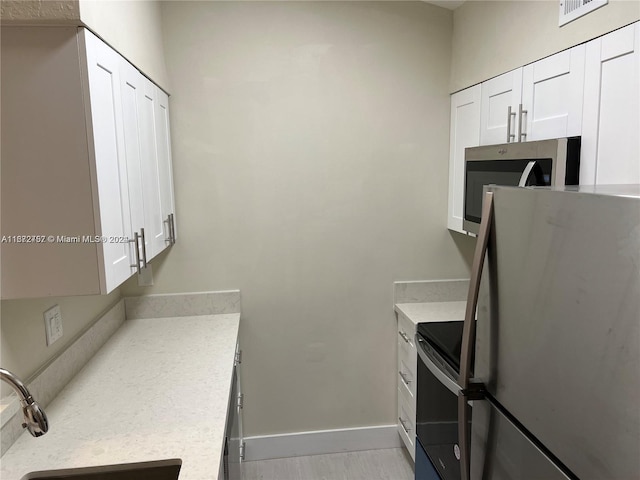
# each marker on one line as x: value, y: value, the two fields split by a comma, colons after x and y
x: 572, y: 9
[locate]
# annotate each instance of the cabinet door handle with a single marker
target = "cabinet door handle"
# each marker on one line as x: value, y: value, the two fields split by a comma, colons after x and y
x: 404, y: 378
x: 404, y: 336
x: 521, y: 113
x: 144, y: 248
x: 136, y: 243
x: 404, y: 427
x: 510, y: 114
x: 172, y: 229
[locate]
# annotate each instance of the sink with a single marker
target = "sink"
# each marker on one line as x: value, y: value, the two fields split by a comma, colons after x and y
x: 156, y: 470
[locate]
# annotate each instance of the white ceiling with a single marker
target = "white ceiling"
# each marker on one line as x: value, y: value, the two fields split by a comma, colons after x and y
x: 450, y: 4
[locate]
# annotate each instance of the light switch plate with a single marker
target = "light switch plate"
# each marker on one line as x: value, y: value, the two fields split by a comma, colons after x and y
x: 53, y: 324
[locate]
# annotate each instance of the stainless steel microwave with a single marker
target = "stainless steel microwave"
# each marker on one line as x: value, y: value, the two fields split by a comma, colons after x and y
x: 539, y: 163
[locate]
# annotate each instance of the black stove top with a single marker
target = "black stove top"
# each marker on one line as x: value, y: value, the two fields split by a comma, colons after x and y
x: 446, y: 338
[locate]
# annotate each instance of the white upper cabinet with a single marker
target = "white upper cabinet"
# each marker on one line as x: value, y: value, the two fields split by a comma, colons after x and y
x: 81, y: 176
x: 139, y: 105
x: 132, y: 84
x: 552, y: 95
x: 539, y: 101
x: 155, y: 234
x: 591, y: 90
x: 501, y: 97
x: 165, y: 171
x: 464, y: 132
x: 611, y: 124
x: 110, y: 160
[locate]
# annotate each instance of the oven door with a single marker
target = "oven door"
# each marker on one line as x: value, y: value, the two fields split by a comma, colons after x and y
x: 437, y: 412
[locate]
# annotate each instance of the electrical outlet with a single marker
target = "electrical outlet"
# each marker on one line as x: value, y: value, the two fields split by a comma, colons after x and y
x: 53, y: 324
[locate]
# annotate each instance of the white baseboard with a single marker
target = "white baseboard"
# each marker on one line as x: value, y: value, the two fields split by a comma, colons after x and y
x: 320, y: 442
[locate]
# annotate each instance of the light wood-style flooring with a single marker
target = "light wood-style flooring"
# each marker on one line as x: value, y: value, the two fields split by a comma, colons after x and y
x: 388, y: 464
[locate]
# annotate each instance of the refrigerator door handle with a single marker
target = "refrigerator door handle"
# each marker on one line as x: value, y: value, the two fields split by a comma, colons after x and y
x: 468, y: 333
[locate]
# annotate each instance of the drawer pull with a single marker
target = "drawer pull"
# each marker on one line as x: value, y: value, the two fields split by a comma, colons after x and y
x: 404, y: 427
x: 404, y: 378
x: 404, y: 336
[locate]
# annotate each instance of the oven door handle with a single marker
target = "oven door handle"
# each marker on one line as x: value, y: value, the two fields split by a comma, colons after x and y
x: 429, y: 358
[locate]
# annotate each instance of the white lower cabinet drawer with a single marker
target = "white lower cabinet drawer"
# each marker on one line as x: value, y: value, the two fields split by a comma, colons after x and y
x: 406, y: 424
x: 406, y: 384
x: 407, y: 358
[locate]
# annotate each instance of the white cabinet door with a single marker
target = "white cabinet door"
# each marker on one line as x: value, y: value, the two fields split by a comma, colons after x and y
x: 464, y: 132
x: 610, y: 141
x: 132, y: 90
x: 163, y: 147
x: 498, y: 96
x: 103, y: 65
x: 552, y: 95
x: 154, y: 227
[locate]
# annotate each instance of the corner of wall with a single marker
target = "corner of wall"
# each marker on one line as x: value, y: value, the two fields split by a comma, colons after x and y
x: 53, y: 12
x: 134, y: 29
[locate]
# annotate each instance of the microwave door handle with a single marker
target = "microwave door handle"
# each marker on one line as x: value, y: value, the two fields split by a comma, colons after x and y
x: 468, y: 333
x: 526, y: 173
x: 442, y: 377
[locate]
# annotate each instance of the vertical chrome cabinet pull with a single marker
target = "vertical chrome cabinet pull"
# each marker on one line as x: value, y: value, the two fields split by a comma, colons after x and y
x: 468, y: 333
x: 144, y: 248
x: 404, y: 336
x: 521, y: 113
x: 168, y: 222
x: 172, y: 229
x: 136, y: 242
x: 510, y: 135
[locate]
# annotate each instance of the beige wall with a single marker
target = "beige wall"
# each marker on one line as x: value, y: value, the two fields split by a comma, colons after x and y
x: 23, y: 345
x: 310, y: 147
x: 133, y: 28
x: 493, y: 37
x: 130, y: 26
x: 55, y: 12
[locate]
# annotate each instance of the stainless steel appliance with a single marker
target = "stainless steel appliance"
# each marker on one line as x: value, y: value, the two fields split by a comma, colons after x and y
x: 555, y: 390
x: 553, y: 162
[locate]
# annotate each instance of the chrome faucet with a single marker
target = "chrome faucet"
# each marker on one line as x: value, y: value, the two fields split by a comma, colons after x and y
x: 35, y: 420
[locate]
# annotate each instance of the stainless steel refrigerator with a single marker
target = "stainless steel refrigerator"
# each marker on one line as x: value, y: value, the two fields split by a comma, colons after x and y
x: 555, y: 390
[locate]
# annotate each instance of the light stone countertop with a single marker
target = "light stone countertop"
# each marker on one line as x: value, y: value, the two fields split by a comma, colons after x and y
x: 431, y: 311
x: 158, y: 389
